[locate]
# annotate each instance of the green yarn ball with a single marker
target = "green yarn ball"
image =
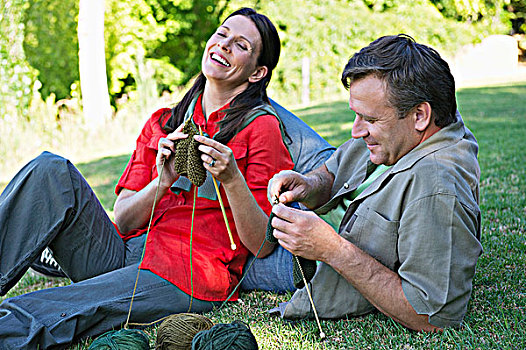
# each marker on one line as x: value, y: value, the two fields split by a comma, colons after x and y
x: 229, y: 336
x: 124, y: 339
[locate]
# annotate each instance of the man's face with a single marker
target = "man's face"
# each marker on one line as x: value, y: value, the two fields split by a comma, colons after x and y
x: 388, y: 138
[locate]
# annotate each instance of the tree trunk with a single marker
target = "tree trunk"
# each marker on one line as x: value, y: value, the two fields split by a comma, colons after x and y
x: 92, y: 62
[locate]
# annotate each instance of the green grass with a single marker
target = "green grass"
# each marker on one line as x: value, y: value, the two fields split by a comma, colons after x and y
x: 496, y: 317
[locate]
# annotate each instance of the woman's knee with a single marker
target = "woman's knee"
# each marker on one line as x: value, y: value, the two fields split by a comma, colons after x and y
x: 51, y: 168
x: 49, y: 161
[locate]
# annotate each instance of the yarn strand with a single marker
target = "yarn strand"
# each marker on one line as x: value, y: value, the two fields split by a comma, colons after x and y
x: 144, y: 247
x: 243, y: 277
x: 191, y: 243
x: 275, y: 200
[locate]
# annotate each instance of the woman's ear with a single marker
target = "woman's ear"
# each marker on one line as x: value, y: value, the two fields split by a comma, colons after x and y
x: 422, y: 116
x: 259, y: 73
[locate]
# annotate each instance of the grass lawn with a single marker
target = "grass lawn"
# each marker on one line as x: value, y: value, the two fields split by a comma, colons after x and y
x: 496, y: 316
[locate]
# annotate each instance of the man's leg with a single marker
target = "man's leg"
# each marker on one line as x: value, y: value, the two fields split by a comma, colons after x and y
x: 272, y: 273
x: 48, y: 203
x: 59, y: 316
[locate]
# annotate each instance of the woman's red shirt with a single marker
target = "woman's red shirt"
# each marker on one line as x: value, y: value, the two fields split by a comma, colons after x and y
x: 259, y: 152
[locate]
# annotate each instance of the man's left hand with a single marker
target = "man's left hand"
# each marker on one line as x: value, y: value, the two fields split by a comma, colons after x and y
x: 304, y: 233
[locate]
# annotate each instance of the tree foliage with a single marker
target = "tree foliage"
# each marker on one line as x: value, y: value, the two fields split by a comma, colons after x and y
x: 510, y: 12
x: 167, y: 37
x: 469, y: 10
x: 129, y: 28
x: 158, y: 43
x: 517, y: 15
x: 188, y: 25
x: 328, y: 32
x: 51, y: 44
x: 16, y: 75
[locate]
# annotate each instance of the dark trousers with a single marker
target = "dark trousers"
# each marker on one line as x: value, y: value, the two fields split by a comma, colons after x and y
x: 48, y: 203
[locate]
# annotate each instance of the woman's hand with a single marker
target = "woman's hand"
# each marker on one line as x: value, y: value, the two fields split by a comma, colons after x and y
x: 165, y: 151
x: 219, y: 160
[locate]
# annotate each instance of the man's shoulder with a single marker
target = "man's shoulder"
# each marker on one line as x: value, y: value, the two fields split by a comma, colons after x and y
x: 452, y: 170
x: 452, y: 152
x: 451, y: 158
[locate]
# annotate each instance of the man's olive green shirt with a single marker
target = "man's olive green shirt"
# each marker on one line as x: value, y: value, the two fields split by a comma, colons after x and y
x: 420, y: 218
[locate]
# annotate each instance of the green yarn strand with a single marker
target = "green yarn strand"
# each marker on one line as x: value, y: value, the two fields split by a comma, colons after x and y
x: 191, y: 250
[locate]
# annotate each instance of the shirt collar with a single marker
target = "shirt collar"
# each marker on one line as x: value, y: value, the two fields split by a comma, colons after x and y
x: 445, y: 137
x: 210, y: 125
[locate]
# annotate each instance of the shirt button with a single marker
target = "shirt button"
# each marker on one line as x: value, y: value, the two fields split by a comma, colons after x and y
x: 346, y: 185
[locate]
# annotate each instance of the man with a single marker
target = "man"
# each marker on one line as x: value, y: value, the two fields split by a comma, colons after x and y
x: 401, y: 196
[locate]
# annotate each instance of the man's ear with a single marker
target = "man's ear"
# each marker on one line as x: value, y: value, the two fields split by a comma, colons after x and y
x: 259, y: 73
x: 422, y: 116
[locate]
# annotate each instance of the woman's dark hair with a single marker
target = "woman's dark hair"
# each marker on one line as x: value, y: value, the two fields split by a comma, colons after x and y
x: 255, y: 94
x: 413, y: 73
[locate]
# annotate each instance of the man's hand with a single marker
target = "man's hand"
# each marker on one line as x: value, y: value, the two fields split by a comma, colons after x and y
x: 288, y: 186
x: 304, y: 233
x: 312, y: 189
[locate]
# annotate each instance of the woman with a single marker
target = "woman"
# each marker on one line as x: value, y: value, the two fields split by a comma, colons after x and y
x: 241, y: 152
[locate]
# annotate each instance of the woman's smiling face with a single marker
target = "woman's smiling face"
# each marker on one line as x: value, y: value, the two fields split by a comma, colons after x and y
x: 232, y: 52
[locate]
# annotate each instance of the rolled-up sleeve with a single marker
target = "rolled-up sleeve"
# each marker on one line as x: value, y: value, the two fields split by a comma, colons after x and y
x: 438, y: 251
x: 141, y: 166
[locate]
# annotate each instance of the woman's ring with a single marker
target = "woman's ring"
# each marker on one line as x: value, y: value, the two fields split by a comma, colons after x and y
x: 213, y: 162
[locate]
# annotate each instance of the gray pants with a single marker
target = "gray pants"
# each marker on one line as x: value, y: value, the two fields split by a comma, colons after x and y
x: 48, y: 203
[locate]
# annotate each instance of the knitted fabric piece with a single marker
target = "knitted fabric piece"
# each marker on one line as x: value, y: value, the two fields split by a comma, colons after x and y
x: 269, y: 234
x: 187, y: 157
x: 308, y: 267
x: 298, y: 263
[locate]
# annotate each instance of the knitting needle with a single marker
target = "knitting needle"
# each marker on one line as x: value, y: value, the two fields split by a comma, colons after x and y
x: 275, y: 200
x: 232, y: 244
x: 322, y: 334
